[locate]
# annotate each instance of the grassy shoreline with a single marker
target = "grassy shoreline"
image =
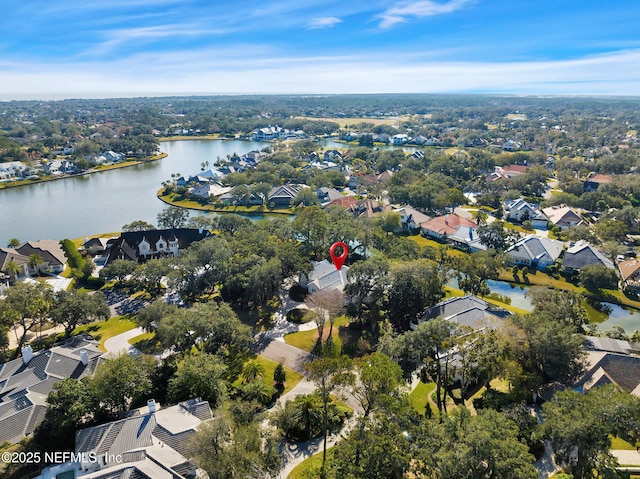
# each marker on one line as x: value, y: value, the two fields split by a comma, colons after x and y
x: 240, y: 210
x: 99, y: 169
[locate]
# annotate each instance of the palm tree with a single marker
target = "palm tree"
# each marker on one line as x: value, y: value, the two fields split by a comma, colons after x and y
x: 34, y: 262
x: 12, y: 269
x: 480, y: 216
x: 252, y: 370
x: 308, y: 413
x: 259, y: 391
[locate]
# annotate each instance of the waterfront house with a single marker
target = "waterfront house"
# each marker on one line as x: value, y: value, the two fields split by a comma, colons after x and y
x: 145, y: 245
x: 49, y: 251
x: 283, y: 196
x: 630, y: 272
x: 535, y: 251
x: 10, y: 255
x: 582, y: 254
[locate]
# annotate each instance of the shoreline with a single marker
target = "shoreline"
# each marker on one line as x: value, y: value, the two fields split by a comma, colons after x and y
x: 125, y: 164
x: 212, y: 209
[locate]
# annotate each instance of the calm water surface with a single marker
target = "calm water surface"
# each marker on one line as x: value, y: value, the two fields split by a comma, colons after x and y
x: 103, y: 202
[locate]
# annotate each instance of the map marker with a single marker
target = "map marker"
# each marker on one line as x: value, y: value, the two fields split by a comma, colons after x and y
x: 338, y: 260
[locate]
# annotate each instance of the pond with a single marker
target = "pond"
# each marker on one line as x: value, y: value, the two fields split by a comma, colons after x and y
x: 607, y: 317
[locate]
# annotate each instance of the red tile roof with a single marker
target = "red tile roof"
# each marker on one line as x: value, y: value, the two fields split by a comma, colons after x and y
x: 447, y: 224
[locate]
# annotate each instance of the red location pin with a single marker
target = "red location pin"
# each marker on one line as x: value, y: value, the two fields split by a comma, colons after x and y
x: 338, y: 260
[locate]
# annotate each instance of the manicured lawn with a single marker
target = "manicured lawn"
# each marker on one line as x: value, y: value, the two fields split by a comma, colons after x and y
x: 617, y: 443
x: 104, y: 330
x: 419, y: 396
x: 307, y: 339
x: 293, y: 378
x: 147, y: 343
x: 309, y: 468
x: 422, y: 241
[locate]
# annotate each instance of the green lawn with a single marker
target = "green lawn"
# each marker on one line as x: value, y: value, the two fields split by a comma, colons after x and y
x: 104, y: 330
x: 307, y: 339
x: 171, y: 199
x: 617, y: 443
x: 310, y: 467
x: 293, y: 378
x: 419, y: 396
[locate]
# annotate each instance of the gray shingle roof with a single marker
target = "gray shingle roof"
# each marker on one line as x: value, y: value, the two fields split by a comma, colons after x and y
x: 468, y: 311
x: 24, y: 387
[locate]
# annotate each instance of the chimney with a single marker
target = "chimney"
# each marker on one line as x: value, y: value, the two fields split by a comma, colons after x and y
x: 84, y: 357
x: 27, y: 354
x: 151, y: 404
x: 201, y: 229
x: 446, y: 219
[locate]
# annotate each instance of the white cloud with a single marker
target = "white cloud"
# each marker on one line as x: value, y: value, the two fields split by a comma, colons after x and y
x: 324, y: 22
x: 423, y: 8
x: 224, y: 71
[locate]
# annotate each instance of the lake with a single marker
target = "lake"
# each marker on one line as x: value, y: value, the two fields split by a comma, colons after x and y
x: 610, y: 316
x: 103, y: 202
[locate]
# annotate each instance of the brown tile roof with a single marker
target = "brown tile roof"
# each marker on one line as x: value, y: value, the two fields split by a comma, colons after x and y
x: 447, y: 224
x: 629, y: 268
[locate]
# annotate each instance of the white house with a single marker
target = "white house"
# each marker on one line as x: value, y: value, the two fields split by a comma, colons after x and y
x: 520, y: 210
x: 324, y: 277
x: 11, y: 169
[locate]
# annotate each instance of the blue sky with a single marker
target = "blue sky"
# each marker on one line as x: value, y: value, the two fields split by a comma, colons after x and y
x: 85, y: 48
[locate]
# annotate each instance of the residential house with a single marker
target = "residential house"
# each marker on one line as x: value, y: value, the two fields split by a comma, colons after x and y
x: 382, y: 138
x: 149, y: 443
x: 609, y: 345
x: 441, y: 227
x: 59, y: 167
x: 506, y: 172
x: 332, y: 155
x: 95, y: 246
x: 410, y: 218
x: 10, y: 255
x: 209, y: 190
x: 535, y: 251
x: 323, y: 277
x: 144, y: 245
x: 420, y: 140
x: 582, y: 254
x: 630, y: 272
x: 273, y: 133
x: 284, y: 195
x: 347, y: 202
x: 400, y: 139
x: 512, y: 145
x: 51, y: 253
x: 12, y: 169
x: 593, y: 182
x: 26, y: 382
x: 563, y: 217
x: 603, y: 368
x: 469, y: 311
x: 327, y: 195
x: 369, y: 208
x: 520, y: 210
x: 466, y: 239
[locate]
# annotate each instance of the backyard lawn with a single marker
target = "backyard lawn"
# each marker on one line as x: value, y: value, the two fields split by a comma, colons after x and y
x: 104, y: 330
